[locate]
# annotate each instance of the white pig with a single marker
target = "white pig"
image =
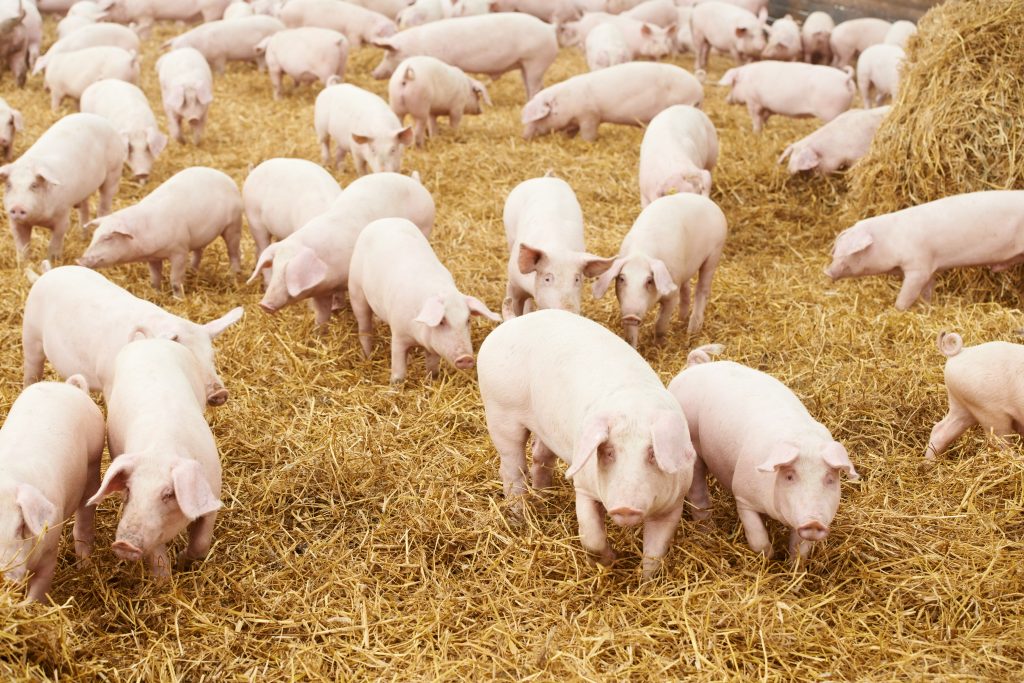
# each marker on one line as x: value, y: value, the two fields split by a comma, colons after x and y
x: 588, y: 398
x: 75, y: 157
x: 678, y: 153
x: 163, y: 454
x: 793, y: 89
x: 238, y: 9
x: 360, y: 122
x: 186, y: 88
x: 984, y: 388
x: 758, y: 440
x: 69, y: 73
x: 727, y: 28
x: 424, y: 12
x: 306, y: 54
x: 878, y: 73
x: 389, y: 8
x: 784, y: 41
x: 899, y: 33
x: 79, y: 320
x: 11, y: 122
x: 425, y: 88
x: 849, y: 38
x: 547, y: 257
x: 94, y: 35
x: 222, y: 41
x: 838, y: 144
x: 127, y: 109
x: 815, y: 35
x: 21, y: 34
x: 974, y: 229
x: 81, y: 14
x: 184, y: 214
x: 628, y: 94
x: 143, y: 13
x: 396, y: 276
x: 551, y: 11
x: 313, y: 262
x: 683, y: 41
x: 360, y: 25
x: 658, y: 12
x: 644, y: 40
x: 50, y: 449
x: 606, y: 46
x: 470, y: 8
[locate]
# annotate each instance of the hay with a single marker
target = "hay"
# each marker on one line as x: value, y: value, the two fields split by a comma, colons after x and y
x: 364, y: 537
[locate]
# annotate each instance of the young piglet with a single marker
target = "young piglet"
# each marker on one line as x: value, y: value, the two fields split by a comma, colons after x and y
x: 606, y: 46
x: 726, y: 28
x: 658, y: 12
x: 222, y: 41
x: 899, y: 33
x: 791, y: 89
x: 672, y: 240
x: 306, y: 54
x: 79, y: 320
x: 629, y: 94
x: 127, y: 109
x: 973, y: 229
x: 849, y: 38
x: 396, y: 276
x: 425, y: 88
x: 187, y: 212
x: 361, y: 122
x: 547, y: 258
x: 143, y: 13
x: 11, y: 122
x: 360, y: 25
x: 70, y: 73
x: 50, y: 449
x: 784, y: 42
x: 592, y: 401
x: 186, y: 87
x: 164, y: 457
x: 814, y: 35
x: 838, y: 144
x: 76, y: 156
x: 983, y: 388
x: 93, y: 35
x: 238, y: 9
x: 678, y: 153
x: 878, y: 70
x: 423, y: 12
x: 758, y: 440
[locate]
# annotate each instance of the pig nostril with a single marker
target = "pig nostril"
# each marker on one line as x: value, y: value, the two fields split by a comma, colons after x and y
x: 464, y: 362
x: 268, y: 308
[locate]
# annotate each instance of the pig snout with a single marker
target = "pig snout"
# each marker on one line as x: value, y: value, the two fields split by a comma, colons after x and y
x: 216, y: 396
x: 126, y: 551
x: 829, y: 272
x: 268, y: 307
x: 631, y: 319
x: 465, y: 362
x: 626, y: 516
x: 812, y: 531
x: 17, y: 213
x: 141, y: 177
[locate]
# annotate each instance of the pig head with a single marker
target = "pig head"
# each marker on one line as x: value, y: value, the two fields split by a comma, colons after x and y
x: 558, y: 275
x: 856, y: 253
x: 297, y: 273
x: 25, y: 514
x: 28, y: 189
x: 11, y: 122
x: 144, y: 146
x: 640, y: 282
x: 393, y: 56
x: 383, y: 153
x: 443, y: 326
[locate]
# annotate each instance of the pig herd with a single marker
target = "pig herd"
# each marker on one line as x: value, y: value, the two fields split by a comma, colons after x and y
x: 637, y: 451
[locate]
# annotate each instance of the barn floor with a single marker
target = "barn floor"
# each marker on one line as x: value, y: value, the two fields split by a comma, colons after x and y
x: 363, y: 535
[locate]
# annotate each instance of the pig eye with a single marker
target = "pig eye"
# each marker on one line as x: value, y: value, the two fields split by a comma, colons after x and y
x: 548, y: 279
x: 167, y: 495
x: 606, y: 453
x: 621, y: 278
x: 650, y: 281
x: 578, y: 279
x: 443, y: 323
x: 830, y: 480
x: 790, y: 476
x: 650, y: 456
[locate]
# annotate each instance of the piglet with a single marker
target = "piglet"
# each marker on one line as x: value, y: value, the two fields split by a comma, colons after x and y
x: 592, y: 401
x: 184, y: 214
x: 11, y: 122
x: 88, y: 13
x: 360, y: 25
x: 238, y: 9
x: 658, y: 12
x: 50, y: 449
x: 186, y: 88
x: 306, y: 54
x: 93, y: 35
x: 606, y: 46
x: 974, y: 229
x: 359, y: 121
x: 126, y: 107
x: 396, y: 276
x: 726, y: 28
x: 164, y: 457
x: 424, y: 12
x: 677, y: 154
x: 878, y: 73
x: 758, y: 440
x: 784, y: 41
x: 683, y: 40
x: 838, y: 144
x: 69, y: 73
x: 899, y: 33
x: 672, y: 240
x: 222, y: 41
x: 815, y: 34
x: 425, y: 88
x: 849, y: 38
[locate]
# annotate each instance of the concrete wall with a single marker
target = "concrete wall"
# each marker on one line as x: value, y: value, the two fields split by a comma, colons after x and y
x: 851, y: 9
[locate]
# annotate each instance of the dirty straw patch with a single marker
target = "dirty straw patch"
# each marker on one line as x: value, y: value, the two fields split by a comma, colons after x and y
x: 363, y: 535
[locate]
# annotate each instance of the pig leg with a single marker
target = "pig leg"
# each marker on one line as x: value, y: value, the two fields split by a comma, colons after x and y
x: 399, y: 359
x: 593, y: 534
x: 61, y: 223
x: 220, y: 64
x: 588, y: 127
x: 275, y: 82
x: 668, y: 304
x: 758, y: 116
x: 339, y: 156
x: 509, y: 439
x: 703, y: 292
x: 359, y: 162
x: 914, y: 284
x: 512, y: 306
x: 42, y: 579
x: 232, y: 236
x: 799, y: 548
x: 156, y: 274
x: 947, y: 430
x: 432, y: 126
x: 454, y: 119
x: 419, y: 129
x: 533, y: 79
x: 658, y: 534
x: 197, y: 256
x: 322, y: 306
x: 684, y: 299
x: 179, y: 266
x: 158, y: 562
x: 364, y: 318
x: 755, y: 531
x: 699, y: 496
x: 174, y: 125
x: 197, y: 129
x: 18, y: 68
x: 200, y: 538
x: 55, y: 98
x: 84, y: 531
x: 433, y: 363
x: 325, y: 150
x: 22, y: 237
x: 32, y: 345
x: 107, y: 191
x: 543, y: 464
x: 83, y: 215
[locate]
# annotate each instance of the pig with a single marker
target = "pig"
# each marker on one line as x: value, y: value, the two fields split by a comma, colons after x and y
x: 313, y: 262
x: 678, y: 153
x: 11, y: 123
x: 425, y: 88
x: 55, y: 6
x: 73, y: 22
x: 547, y: 258
x: 758, y: 440
x: 478, y: 44
x: 644, y: 40
x: 851, y: 37
x: 878, y: 70
x: 396, y: 276
x: 50, y: 449
x: 359, y: 24
x: 974, y: 229
x: 793, y: 89
x: 184, y: 214
x: 838, y: 144
x: 726, y: 28
x: 606, y: 46
x: 683, y: 41
x: 144, y: 13
x: 551, y: 11
x: 306, y: 54
x: 238, y: 9
x: 79, y: 320
x: 628, y: 94
x: 127, y: 109
x: 672, y: 240
x: 163, y: 455
x: 983, y: 386
x: 68, y: 74
x: 784, y: 41
x: 21, y: 34
x: 186, y: 89
x: 470, y: 8
x: 662, y: 13
x: 815, y: 36
x: 359, y: 121
x: 899, y: 33
x: 75, y: 157
x: 94, y: 35
x: 591, y: 400
x: 222, y: 41
x: 424, y: 12
x: 389, y: 8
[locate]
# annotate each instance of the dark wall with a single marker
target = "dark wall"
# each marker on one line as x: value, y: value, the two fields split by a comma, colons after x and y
x: 851, y: 9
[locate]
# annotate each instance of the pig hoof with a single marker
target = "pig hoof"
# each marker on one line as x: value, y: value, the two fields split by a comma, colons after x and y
x: 605, y: 558
x: 928, y: 465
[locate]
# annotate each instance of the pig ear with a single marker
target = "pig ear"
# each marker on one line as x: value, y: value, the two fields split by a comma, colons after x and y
x: 595, y: 433
x: 38, y: 512
x: 5, y: 171
x: 805, y: 159
x: 404, y: 136
x: 360, y: 139
x: 835, y: 456
x: 782, y: 454
x: 214, y: 328
x: 115, y: 478
x: 195, y: 498
x: 603, y: 282
x: 670, y: 441
x: 705, y: 182
x: 645, y: 30
x: 762, y: 15
x: 432, y: 312
x: 662, y: 278
x: 303, y: 272
x: 741, y: 31
x: 529, y: 258
x: 481, y: 92
x: 477, y: 307
x: 386, y: 42
x: 595, y: 265
x: 19, y: 122
x: 536, y: 109
x: 46, y: 175
x: 730, y: 77
x: 176, y: 96
x: 785, y: 153
x: 157, y: 141
x: 265, y: 260
x: 204, y: 93
x: 851, y: 241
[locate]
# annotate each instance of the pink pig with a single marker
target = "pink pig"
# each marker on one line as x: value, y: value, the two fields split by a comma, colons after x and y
x: 11, y: 122
x: 143, y: 13
x: 677, y: 154
x: 606, y: 46
x: 306, y: 54
x: 50, y: 449
x: 184, y: 214
x: 672, y: 240
x: 878, y: 72
x: 360, y: 25
x: 425, y: 88
x: 791, y: 89
x: 396, y: 276
x: 838, y: 144
x: 94, y: 35
x: 784, y: 41
x: 727, y: 28
x: 186, y: 87
x: 899, y: 33
x: 234, y: 40
x: 850, y: 38
x: 126, y: 107
x: 589, y: 399
x: 360, y: 122
x: 815, y: 35
x: 69, y: 73
x: 658, y: 12
x: 164, y: 457
x: 974, y: 229
x: 758, y: 440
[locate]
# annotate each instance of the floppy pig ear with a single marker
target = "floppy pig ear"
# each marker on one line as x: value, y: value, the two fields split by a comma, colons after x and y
x: 404, y: 136
x: 670, y: 440
x: 157, y: 141
x: 535, y: 110
x: 595, y: 265
x: 529, y: 258
x: 805, y: 159
x: 662, y: 278
x: 215, y: 327
x: 595, y: 433
x: 115, y: 478
x: 48, y: 176
x: 38, y: 512
x: 481, y: 92
x: 305, y: 271
x: 265, y: 260
x: 477, y: 307
x: 360, y: 139
x: 783, y: 454
x: 388, y: 43
x: 19, y: 121
x: 603, y: 282
x: 835, y: 456
x: 195, y: 498
x: 851, y: 241
x: 432, y: 312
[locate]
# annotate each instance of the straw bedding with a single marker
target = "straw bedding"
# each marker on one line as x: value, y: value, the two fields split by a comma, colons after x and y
x: 364, y: 534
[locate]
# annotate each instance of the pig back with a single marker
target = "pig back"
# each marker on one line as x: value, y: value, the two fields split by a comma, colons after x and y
x: 81, y: 150
x: 635, y: 92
